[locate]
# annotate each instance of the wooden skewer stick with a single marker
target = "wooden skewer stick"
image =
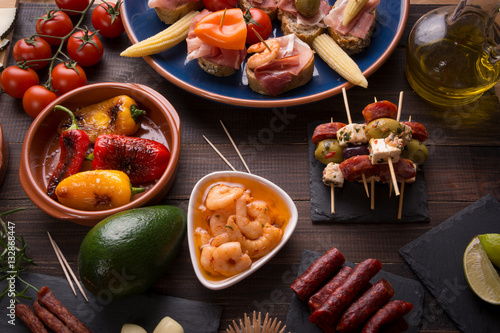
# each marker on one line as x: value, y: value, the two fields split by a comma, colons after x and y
x: 219, y: 153
x: 234, y: 145
x: 372, y: 197
x: 400, y: 206
x: 261, y: 39
x: 346, y: 106
x: 58, y: 255
x: 61, y: 256
x: 348, y: 112
x: 332, y: 198
x: 393, y: 176
x: 400, y: 103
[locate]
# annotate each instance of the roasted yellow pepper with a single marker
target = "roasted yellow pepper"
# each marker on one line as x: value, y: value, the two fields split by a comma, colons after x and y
x: 96, y: 190
x: 117, y: 115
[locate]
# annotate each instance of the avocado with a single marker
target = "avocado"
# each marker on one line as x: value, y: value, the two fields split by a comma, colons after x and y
x: 124, y: 254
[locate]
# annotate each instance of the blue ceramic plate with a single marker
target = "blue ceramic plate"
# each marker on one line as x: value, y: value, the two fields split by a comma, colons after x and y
x: 142, y: 22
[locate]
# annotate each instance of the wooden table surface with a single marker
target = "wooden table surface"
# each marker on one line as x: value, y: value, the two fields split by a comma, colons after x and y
x: 462, y: 167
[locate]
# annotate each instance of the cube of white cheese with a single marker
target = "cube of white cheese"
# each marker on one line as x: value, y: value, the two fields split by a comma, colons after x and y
x: 381, y: 149
x: 352, y: 133
x: 332, y: 175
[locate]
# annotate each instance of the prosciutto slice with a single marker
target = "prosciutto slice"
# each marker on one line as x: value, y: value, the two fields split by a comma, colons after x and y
x: 167, y: 4
x: 196, y: 48
x: 274, y: 75
x: 359, y: 25
x: 316, y: 20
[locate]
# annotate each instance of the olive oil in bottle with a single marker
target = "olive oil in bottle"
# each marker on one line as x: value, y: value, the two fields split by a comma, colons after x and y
x: 452, y: 55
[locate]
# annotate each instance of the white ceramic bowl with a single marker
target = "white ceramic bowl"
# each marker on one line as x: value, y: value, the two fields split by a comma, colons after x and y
x: 194, y: 201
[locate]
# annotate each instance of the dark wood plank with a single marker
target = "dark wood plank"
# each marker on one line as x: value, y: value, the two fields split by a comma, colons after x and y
x: 462, y: 167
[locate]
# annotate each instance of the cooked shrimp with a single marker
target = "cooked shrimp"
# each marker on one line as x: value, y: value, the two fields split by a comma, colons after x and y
x: 229, y: 260
x: 218, y: 221
x: 201, y: 236
x: 207, y: 259
x: 263, y: 54
x: 258, y: 248
x: 257, y: 210
x: 222, y: 196
x: 232, y: 233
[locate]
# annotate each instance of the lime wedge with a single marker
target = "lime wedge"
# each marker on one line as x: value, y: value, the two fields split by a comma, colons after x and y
x: 491, y: 245
x: 480, y: 273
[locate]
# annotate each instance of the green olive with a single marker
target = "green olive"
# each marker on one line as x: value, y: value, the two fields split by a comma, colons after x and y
x: 307, y: 8
x: 415, y: 151
x: 383, y: 127
x: 328, y: 151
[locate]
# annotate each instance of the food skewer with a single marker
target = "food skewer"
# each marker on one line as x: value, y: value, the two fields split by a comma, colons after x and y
x: 219, y: 153
x: 348, y: 112
x: 234, y: 145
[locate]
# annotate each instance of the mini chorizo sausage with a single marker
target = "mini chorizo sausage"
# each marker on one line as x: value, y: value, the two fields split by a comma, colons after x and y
x: 404, y: 169
x: 47, y: 298
x: 24, y: 313
x: 381, y: 109
x: 388, y: 314
x: 326, y: 131
x: 49, y: 319
x: 319, y: 297
x: 325, y: 266
x: 330, y: 311
x: 365, y: 306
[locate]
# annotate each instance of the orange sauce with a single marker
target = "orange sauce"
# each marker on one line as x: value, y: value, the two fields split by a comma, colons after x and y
x: 278, y: 209
x: 147, y: 130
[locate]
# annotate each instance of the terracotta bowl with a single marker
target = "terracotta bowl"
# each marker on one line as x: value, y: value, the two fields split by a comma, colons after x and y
x: 253, y: 182
x: 40, y: 155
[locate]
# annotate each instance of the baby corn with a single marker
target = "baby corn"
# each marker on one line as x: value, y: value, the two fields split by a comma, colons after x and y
x: 337, y: 59
x: 352, y: 9
x: 163, y: 40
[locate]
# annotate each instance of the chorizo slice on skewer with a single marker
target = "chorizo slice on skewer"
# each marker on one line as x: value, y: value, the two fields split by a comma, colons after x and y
x: 381, y: 109
x: 354, y: 168
x: 326, y: 131
x: 34, y: 323
x: 47, y: 298
x: 418, y: 131
x: 324, y: 267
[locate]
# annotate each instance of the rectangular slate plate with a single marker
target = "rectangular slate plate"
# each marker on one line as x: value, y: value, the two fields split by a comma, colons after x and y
x: 101, y: 315
x: 437, y: 259
x: 297, y: 319
x: 351, y: 203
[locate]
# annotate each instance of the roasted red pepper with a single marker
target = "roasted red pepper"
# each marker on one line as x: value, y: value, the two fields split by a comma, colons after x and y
x: 143, y: 160
x: 74, y: 143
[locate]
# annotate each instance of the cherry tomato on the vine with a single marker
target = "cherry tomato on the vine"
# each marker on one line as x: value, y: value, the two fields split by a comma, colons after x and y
x: 36, y: 98
x: 78, y: 5
x: 263, y: 27
x: 85, y: 48
x: 106, y: 18
x: 54, y: 23
x: 68, y: 76
x: 215, y: 5
x: 15, y: 81
x: 33, y: 48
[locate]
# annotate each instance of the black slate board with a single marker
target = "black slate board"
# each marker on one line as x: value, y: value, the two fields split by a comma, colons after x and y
x: 297, y: 319
x: 102, y: 316
x: 351, y: 203
x: 437, y: 259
